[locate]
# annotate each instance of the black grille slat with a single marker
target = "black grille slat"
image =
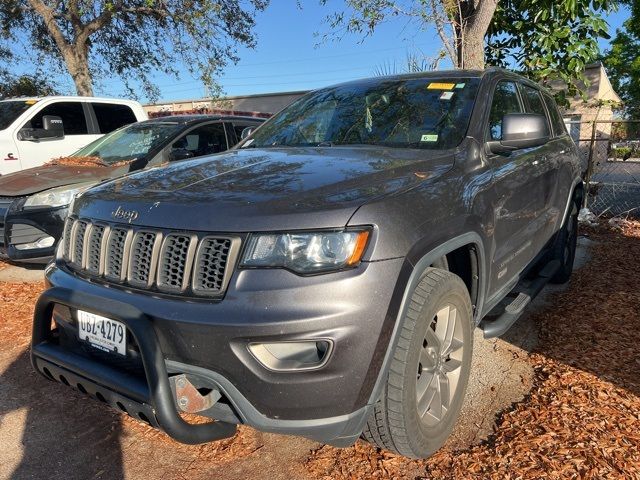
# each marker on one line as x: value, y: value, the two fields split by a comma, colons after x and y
x: 66, y: 238
x: 169, y: 262
x: 114, y: 262
x: 142, y: 262
x: 94, y: 248
x: 211, y: 262
x: 173, y: 265
x: 78, y: 242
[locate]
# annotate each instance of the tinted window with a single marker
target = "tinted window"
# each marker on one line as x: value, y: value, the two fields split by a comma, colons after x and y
x: 111, y: 117
x: 204, y: 140
x: 534, y: 101
x: 132, y: 142
x: 238, y: 127
x: 557, y: 121
x: 71, y: 113
x: 505, y: 100
x: 416, y: 113
x: 9, y: 111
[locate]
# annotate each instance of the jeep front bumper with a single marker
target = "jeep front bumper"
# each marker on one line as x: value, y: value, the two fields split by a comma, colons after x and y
x: 208, y: 342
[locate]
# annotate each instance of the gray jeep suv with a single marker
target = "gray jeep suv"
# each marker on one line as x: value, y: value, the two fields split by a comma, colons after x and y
x: 324, y: 277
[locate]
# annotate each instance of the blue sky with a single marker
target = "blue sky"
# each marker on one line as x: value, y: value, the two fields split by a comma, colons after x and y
x: 288, y: 56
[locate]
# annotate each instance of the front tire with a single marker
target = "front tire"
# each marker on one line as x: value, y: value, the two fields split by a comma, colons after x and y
x: 429, y: 371
x: 565, y: 247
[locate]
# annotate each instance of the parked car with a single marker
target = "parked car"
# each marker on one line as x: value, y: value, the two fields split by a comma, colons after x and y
x: 34, y: 202
x: 324, y: 277
x: 35, y: 130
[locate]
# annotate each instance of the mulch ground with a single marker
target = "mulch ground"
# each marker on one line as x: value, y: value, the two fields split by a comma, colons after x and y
x: 582, y: 418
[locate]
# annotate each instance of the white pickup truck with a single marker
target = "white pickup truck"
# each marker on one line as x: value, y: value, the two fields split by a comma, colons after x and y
x: 36, y: 130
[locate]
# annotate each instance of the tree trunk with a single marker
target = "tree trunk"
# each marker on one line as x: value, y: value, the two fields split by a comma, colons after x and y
x: 78, y: 67
x: 476, y: 18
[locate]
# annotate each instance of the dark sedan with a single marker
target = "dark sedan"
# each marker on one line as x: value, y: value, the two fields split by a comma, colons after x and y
x: 35, y: 202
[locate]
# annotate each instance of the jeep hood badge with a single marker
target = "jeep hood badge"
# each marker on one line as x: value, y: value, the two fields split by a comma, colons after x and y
x: 122, y: 214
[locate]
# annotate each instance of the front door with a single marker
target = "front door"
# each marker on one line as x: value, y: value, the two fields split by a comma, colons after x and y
x: 76, y: 134
x: 518, y: 195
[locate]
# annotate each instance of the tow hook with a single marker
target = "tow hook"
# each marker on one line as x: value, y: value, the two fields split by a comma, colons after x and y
x: 188, y: 398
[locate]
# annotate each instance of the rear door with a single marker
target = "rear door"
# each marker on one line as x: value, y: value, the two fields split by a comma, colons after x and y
x: 77, y: 133
x: 111, y: 116
x: 518, y: 193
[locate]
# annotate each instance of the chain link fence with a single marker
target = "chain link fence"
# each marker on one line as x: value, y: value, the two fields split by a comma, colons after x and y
x: 610, y: 151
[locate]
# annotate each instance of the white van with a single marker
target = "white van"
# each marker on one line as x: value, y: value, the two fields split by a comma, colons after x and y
x: 36, y: 130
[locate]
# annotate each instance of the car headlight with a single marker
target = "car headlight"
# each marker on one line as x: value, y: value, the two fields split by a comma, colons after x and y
x: 57, y: 197
x: 307, y: 252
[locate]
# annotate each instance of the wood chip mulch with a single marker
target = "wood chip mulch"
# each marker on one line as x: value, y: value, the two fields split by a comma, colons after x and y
x: 582, y: 417
x: 90, y: 161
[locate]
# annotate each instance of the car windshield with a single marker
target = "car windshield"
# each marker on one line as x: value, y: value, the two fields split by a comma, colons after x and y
x: 131, y: 142
x: 411, y: 113
x: 12, y: 109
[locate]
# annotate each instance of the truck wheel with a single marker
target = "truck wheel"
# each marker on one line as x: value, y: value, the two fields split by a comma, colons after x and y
x: 564, y: 248
x: 429, y: 372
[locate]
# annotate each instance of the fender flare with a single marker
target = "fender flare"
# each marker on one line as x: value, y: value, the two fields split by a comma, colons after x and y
x: 417, y: 273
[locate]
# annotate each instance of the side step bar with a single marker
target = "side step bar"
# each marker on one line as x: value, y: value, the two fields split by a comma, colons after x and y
x: 497, y: 327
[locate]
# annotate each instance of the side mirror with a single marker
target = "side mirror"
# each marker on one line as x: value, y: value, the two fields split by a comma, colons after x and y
x: 180, y: 154
x: 521, y: 130
x: 246, y: 132
x: 53, y: 128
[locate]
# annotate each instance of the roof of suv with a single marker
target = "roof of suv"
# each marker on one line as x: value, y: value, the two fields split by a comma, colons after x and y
x: 73, y: 98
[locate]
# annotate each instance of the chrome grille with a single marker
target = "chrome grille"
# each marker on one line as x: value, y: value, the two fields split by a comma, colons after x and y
x: 169, y: 262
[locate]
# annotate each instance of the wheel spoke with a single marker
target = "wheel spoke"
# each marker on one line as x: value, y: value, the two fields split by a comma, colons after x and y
x: 445, y: 395
x: 442, y: 323
x: 427, y: 361
x: 450, y: 330
x: 430, y: 389
x: 451, y: 365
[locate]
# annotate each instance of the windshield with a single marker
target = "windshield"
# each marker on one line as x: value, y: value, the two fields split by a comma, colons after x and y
x: 10, y: 110
x: 414, y: 113
x: 131, y: 142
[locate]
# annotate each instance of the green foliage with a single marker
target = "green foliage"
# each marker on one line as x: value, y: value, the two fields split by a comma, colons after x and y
x: 622, y: 61
x: 548, y: 40
x: 25, y: 86
x: 131, y: 39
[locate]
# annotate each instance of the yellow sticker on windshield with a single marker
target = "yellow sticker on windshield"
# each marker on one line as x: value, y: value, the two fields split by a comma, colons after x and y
x: 441, y: 86
x: 429, y: 138
x: 31, y: 102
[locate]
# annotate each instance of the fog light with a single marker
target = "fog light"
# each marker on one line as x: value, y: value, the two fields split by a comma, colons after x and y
x: 292, y: 356
x: 43, y: 242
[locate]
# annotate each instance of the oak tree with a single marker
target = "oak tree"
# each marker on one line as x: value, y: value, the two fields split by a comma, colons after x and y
x: 130, y: 39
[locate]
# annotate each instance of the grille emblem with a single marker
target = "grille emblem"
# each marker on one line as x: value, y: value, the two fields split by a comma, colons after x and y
x: 122, y: 214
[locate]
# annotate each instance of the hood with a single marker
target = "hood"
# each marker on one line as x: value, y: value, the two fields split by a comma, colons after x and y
x: 34, y: 180
x: 263, y: 189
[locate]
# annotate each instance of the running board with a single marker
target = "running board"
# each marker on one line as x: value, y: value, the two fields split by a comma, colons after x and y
x: 513, y: 311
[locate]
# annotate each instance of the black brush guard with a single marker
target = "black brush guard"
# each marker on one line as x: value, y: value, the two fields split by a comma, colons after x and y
x: 152, y: 400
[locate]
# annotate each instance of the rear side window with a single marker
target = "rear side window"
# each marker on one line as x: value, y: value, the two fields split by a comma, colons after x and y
x: 559, y: 127
x: 505, y: 100
x: 204, y: 140
x: 71, y: 113
x: 111, y: 116
x: 534, y: 102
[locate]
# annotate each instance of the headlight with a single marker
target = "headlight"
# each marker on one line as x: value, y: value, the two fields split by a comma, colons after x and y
x: 309, y: 252
x: 57, y: 197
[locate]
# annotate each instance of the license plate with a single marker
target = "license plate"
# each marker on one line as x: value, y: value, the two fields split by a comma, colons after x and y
x: 102, y: 333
